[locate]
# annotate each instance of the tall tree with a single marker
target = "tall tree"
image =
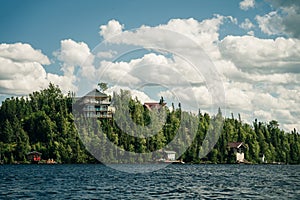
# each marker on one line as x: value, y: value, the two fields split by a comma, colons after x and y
x: 103, y: 86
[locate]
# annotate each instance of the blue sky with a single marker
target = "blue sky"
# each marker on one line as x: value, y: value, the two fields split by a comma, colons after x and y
x: 253, y: 44
x: 44, y: 23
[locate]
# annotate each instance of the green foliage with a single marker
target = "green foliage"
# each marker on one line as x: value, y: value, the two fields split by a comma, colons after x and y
x: 44, y: 122
x: 103, y: 86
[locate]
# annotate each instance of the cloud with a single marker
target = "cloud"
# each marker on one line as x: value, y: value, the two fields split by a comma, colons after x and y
x: 76, y: 62
x: 22, y: 70
x: 72, y: 54
x: 142, y: 97
x: 271, y: 23
x: 284, y: 3
x: 150, y: 69
x: 112, y: 28
x: 238, y: 98
x: 247, y: 24
x: 283, y: 20
x: 246, y: 4
x: 263, y: 115
x: 171, y: 72
x: 22, y: 53
x: 107, y: 54
x: 249, y: 53
x: 203, y: 33
x: 188, y: 33
x: 260, y: 76
x: 250, y: 33
x: 191, y: 98
x: 20, y: 78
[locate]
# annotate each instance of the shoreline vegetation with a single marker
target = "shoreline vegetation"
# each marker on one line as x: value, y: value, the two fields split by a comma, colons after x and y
x: 44, y: 122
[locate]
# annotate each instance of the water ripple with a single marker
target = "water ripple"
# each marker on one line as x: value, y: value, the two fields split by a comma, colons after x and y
x: 173, y: 182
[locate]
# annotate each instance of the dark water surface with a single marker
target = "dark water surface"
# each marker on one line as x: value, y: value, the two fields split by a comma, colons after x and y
x: 172, y: 182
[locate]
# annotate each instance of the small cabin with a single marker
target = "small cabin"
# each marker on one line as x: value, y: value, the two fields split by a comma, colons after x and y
x: 34, y: 156
x: 238, y: 149
x: 170, y: 155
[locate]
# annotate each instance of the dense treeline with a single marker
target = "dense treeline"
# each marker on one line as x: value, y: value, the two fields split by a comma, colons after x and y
x: 44, y: 122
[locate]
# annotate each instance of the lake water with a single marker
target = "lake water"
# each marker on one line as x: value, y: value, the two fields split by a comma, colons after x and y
x: 172, y: 182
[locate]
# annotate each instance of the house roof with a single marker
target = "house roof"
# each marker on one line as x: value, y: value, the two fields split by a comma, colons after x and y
x: 235, y: 144
x: 170, y: 152
x: 95, y: 93
x: 34, y: 153
x: 151, y: 105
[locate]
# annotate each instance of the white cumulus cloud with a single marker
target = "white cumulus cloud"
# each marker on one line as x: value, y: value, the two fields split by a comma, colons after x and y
x: 112, y: 28
x: 271, y: 23
x: 266, y: 55
x: 246, y: 4
x: 20, y: 52
x: 247, y: 24
x: 258, y: 74
x: 72, y: 54
x: 22, y: 70
x: 260, y: 77
x: 282, y: 20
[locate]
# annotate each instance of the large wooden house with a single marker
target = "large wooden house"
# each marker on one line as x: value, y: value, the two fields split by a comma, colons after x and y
x: 96, y: 104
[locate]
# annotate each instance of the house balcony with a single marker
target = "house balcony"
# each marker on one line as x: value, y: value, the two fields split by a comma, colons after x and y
x: 104, y: 116
x: 99, y: 115
x: 95, y: 109
x: 97, y: 102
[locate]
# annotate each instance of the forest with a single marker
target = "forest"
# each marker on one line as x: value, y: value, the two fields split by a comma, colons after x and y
x: 44, y: 122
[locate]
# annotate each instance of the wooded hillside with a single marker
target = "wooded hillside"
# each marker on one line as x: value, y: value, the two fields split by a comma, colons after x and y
x: 44, y: 122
